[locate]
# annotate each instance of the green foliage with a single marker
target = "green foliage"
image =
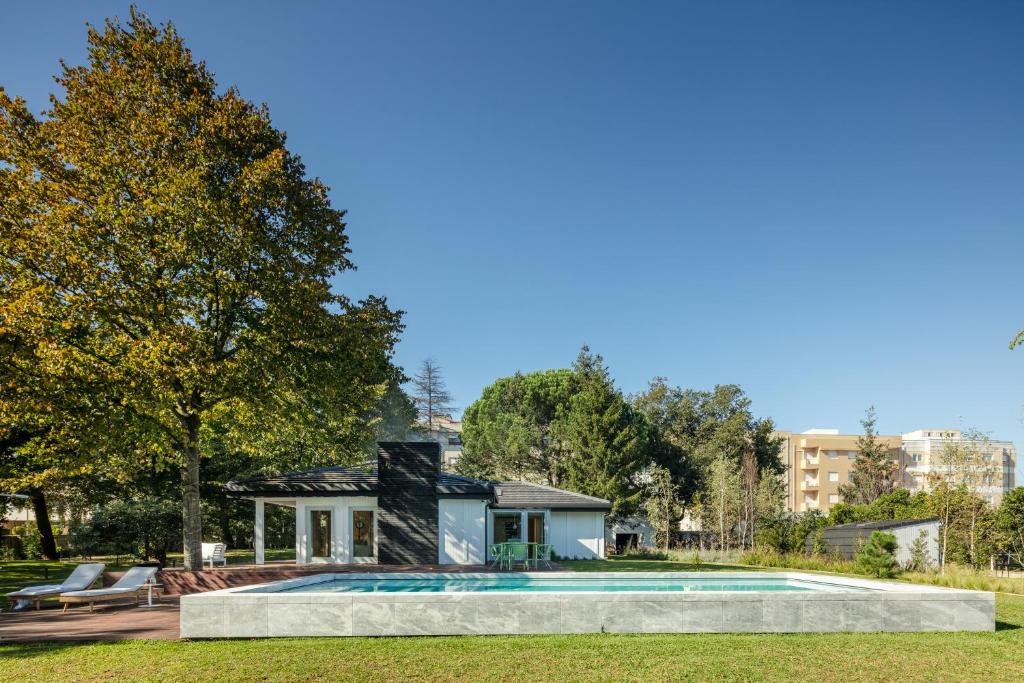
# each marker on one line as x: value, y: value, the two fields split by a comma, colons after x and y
x: 878, y: 556
x: 29, y: 545
x: 1009, y: 522
x: 663, y: 506
x: 146, y: 528
x: 570, y: 428
x: 874, y: 471
x: 165, y: 255
x: 510, y: 432
x: 605, y: 436
x: 920, y: 560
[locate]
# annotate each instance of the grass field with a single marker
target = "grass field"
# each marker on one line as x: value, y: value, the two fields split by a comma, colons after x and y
x: 599, y: 657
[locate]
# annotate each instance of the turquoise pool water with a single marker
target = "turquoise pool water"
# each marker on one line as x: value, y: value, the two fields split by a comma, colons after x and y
x: 568, y: 584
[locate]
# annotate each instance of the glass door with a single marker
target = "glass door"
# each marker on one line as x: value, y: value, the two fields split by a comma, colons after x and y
x: 362, y: 534
x: 320, y: 532
x: 535, y: 527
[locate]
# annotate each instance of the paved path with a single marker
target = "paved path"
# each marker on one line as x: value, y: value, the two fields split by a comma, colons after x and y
x: 112, y: 622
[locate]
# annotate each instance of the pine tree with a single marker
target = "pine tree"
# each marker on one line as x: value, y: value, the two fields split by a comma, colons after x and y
x: 430, y: 393
x: 874, y: 472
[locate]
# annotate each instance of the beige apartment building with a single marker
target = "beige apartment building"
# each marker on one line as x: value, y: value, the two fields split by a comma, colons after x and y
x: 819, y: 461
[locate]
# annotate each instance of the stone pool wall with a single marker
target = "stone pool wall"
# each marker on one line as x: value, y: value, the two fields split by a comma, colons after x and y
x: 240, y: 613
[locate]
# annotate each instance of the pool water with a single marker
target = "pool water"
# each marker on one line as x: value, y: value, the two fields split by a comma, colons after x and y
x: 562, y: 585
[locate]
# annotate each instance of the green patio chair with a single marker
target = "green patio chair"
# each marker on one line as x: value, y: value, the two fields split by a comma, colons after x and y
x: 519, y: 552
x: 542, y: 552
x: 496, y: 551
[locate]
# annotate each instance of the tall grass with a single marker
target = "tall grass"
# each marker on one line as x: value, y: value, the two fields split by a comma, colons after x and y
x: 954, y: 576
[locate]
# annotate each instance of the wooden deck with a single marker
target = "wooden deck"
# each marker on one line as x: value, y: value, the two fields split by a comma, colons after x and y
x: 126, y: 621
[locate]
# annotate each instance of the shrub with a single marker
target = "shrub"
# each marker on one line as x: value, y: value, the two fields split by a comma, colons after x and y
x: 30, y: 541
x: 919, y: 560
x: 877, y: 557
x: 144, y: 528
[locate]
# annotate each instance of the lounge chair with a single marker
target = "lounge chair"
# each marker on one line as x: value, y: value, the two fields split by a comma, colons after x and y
x: 132, y: 584
x: 214, y: 554
x: 81, y: 578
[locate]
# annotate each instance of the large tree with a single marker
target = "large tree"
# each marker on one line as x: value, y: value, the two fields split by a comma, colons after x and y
x: 606, y: 438
x: 160, y: 245
x: 874, y: 471
x: 508, y: 431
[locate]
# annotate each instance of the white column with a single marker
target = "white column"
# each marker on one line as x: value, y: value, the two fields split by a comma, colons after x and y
x: 300, y: 533
x: 257, y: 537
x: 524, y: 530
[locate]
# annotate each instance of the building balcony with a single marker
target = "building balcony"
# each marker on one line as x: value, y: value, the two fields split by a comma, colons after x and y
x: 809, y: 485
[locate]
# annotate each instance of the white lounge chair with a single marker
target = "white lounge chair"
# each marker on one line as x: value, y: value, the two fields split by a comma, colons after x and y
x: 81, y: 578
x: 132, y: 584
x: 214, y: 554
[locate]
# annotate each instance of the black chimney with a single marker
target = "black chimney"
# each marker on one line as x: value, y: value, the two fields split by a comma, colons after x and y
x: 407, y: 475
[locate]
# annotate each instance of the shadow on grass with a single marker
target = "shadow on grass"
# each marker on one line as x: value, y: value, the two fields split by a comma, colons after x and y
x: 1006, y: 626
x: 12, y: 650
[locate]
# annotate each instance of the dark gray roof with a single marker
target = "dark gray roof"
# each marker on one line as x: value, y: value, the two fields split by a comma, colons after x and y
x: 361, y: 480
x: 883, y: 524
x: 520, y: 494
x: 336, y: 480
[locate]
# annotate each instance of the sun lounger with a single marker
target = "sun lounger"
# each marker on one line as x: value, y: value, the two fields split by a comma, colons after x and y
x: 131, y: 585
x: 81, y: 578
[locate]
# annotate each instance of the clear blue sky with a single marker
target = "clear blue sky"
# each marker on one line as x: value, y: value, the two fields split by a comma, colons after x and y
x: 822, y: 202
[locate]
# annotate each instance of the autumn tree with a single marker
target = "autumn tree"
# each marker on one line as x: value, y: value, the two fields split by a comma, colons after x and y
x: 874, y: 471
x: 430, y: 393
x: 161, y: 246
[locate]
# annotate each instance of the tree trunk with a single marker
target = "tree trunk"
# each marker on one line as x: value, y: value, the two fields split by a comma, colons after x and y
x: 48, y: 545
x: 191, y: 513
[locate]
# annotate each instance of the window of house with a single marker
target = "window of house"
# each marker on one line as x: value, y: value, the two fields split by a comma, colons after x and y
x: 833, y: 454
x: 833, y: 498
x: 506, y: 527
x: 833, y: 476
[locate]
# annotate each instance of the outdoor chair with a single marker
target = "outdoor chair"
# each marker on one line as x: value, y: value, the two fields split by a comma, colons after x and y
x: 81, y: 578
x: 519, y: 553
x: 214, y: 554
x: 542, y: 553
x: 132, y: 584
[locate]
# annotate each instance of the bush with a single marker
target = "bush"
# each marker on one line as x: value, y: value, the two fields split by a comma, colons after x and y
x: 29, y: 540
x: 149, y: 527
x: 919, y: 560
x: 878, y: 556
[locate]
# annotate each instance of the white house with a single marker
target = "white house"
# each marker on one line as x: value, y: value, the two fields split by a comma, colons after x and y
x: 403, y: 509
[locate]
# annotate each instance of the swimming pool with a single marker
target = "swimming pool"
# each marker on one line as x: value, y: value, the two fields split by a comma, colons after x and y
x: 390, y: 604
x: 560, y: 584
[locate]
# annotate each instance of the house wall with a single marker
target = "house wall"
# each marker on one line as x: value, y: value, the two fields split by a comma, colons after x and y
x: 462, y: 529
x: 577, y: 535
x: 407, y: 475
x: 341, y: 527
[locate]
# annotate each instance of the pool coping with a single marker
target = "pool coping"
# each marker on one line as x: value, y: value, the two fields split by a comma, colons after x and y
x: 885, y: 606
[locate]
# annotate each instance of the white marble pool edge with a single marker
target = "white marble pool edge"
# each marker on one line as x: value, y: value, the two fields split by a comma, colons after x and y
x: 242, y: 613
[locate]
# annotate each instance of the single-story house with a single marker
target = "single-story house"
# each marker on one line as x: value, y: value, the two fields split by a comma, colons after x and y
x: 403, y: 509
x: 846, y: 539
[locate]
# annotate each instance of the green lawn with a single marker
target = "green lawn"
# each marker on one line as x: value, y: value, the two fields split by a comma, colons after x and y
x: 597, y: 657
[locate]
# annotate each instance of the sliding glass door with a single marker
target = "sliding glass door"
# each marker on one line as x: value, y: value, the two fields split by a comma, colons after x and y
x: 321, y: 523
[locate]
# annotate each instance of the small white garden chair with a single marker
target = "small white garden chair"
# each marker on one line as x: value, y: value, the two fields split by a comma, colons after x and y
x: 214, y: 554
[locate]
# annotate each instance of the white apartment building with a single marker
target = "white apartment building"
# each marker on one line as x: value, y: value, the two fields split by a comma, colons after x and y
x: 923, y: 450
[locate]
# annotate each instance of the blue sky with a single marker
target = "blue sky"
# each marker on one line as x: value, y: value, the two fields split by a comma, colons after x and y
x: 821, y: 202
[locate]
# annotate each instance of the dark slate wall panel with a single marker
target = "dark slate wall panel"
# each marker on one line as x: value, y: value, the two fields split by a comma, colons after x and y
x: 407, y: 502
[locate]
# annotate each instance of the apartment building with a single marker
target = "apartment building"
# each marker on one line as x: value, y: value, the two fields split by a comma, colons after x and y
x: 448, y: 433
x: 819, y: 461
x: 993, y: 474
